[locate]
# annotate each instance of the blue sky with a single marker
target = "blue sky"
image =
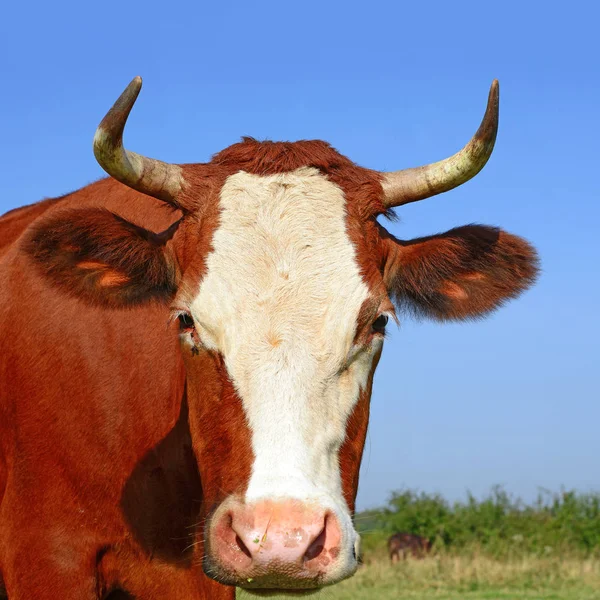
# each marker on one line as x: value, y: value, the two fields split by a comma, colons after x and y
x: 513, y: 399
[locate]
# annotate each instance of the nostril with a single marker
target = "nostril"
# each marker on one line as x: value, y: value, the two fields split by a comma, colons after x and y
x: 318, y: 544
x: 326, y: 547
x: 316, y: 547
x: 242, y: 546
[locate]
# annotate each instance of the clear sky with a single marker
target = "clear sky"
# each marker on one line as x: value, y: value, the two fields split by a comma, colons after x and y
x: 514, y: 399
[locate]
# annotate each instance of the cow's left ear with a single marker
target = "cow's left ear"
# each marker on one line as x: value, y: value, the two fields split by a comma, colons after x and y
x: 103, y: 259
x: 463, y: 273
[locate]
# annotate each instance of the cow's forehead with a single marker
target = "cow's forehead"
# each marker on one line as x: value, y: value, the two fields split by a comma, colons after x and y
x: 283, y: 271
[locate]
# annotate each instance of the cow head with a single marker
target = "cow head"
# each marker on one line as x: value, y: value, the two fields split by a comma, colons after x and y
x: 280, y: 282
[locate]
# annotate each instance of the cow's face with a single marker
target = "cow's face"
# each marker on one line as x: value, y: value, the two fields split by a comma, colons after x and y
x: 285, y: 307
x: 280, y: 282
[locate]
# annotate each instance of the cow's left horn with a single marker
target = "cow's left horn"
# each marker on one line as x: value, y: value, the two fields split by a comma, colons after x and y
x: 410, y: 185
x: 153, y: 177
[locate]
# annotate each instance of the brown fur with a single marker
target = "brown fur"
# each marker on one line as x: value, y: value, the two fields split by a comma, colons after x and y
x: 115, y: 448
x: 15, y: 221
x: 356, y: 433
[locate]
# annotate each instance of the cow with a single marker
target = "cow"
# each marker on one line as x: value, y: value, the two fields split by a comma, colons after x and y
x: 187, y: 356
x: 402, y: 543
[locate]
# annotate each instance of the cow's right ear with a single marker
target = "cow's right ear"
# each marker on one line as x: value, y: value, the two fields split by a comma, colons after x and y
x: 103, y: 259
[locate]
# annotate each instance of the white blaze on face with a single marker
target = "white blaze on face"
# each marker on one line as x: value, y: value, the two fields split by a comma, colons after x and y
x: 280, y: 301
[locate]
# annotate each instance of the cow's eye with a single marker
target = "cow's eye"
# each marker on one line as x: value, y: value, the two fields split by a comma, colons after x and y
x: 185, y: 321
x: 379, y: 324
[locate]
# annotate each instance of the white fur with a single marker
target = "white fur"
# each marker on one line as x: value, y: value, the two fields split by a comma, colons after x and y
x: 280, y: 301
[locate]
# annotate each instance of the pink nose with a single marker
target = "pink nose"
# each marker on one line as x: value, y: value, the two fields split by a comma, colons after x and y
x: 275, y: 544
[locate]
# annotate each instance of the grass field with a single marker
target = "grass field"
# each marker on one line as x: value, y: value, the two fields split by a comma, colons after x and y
x: 478, y: 578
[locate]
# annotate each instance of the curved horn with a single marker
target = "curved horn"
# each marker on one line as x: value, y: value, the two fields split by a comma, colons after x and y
x: 410, y: 185
x: 153, y: 177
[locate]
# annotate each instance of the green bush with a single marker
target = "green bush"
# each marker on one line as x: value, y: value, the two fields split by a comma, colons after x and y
x: 499, y: 525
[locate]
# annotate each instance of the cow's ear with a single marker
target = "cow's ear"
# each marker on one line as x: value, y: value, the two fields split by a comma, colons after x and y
x: 461, y: 274
x: 103, y: 259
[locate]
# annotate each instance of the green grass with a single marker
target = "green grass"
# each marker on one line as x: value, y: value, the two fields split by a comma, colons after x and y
x: 450, y: 577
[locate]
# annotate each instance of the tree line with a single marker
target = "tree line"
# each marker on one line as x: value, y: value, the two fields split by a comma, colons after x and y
x: 498, y: 524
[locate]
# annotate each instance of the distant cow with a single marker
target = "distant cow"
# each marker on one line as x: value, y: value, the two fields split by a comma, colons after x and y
x: 400, y: 544
x: 186, y: 360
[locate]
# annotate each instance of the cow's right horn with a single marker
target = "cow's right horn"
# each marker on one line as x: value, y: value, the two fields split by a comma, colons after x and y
x: 162, y: 180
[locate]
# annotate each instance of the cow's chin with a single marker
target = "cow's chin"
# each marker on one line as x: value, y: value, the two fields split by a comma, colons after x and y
x: 271, y: 585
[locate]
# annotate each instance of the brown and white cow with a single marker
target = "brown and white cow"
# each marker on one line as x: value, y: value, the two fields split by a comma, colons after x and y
x: 403, y: 544
x: 187, y: 354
